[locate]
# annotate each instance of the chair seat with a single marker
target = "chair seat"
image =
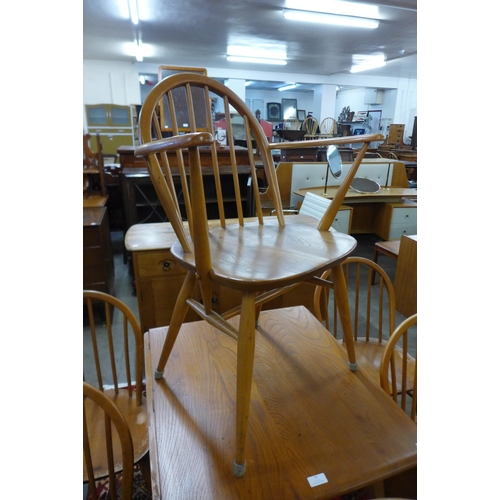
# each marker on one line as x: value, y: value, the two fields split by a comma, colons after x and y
x: 257, y: 257
x: 137, y: 420
x: 369, y: 356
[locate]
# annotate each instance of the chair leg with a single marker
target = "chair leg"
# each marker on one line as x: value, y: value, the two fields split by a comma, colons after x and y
x: 342, y: 301
x: 245, y: 356
x: 180, y: 311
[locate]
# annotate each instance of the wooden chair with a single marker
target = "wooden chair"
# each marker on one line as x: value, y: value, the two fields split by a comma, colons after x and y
x: 373, y: 312
x: 291, y: 123
x: 103, y: 427
x: 398, y: 374
x: 93, y: 166
x: 310, y: 125
x: 261, y: 257
x: 114, y: 376
x: 327, y: 128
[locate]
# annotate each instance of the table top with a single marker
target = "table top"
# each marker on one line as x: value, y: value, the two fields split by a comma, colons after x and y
x: 316, y: 429
x: 389, y: 194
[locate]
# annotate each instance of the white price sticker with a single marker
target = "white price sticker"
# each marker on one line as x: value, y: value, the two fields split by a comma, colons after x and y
x: 317, y: 480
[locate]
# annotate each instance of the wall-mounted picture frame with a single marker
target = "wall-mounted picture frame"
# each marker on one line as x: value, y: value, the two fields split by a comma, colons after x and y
x: 274, y: 111
x: 288, y: 108
x: 301, y: 114
x: 181, y: 105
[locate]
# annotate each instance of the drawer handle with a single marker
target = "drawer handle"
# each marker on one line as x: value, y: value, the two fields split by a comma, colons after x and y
x: 407, y: 216
x: 166, y: 265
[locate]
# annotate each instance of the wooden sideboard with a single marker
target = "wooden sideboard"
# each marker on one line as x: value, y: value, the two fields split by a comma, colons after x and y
x: 158, y: 278
x: 405, y: 280
x: 129, y: 160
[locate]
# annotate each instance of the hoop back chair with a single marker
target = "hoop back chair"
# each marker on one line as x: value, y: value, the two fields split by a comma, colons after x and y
x: 310, y: 125
x: 400, y: 371
x: 327, y: 127
x: 373, y: 314
x: 262, y: 257
x: 291, y: 123
x: 113, y: 372
x: 104, y: 426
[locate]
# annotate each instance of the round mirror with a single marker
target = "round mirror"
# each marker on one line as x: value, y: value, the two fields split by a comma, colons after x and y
x: 364, y: 185
x: 334, y: 161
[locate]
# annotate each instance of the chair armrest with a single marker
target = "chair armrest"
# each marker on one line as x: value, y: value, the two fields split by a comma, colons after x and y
x: 351, y: 139
x: 171, y: 144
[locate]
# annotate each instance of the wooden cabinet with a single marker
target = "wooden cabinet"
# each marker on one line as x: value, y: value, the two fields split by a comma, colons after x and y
x: 98, y: 266
x: 396, y: 219
x: 158, y: 279
x: 405, y: 280
x: 113, y: 123
x: 141, y: 205
x: 299, y: 155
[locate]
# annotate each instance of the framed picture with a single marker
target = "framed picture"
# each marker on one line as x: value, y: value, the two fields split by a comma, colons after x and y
x: 274, y: 111
x: 289, y: 108
x: 181, y: 105
x: 301, y: 114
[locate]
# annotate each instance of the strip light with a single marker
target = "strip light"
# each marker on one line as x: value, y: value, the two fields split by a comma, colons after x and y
x: 256, y: 60
x: 138, y: 51
x: 288, y: 87
x: 134, y: 11
x: 320, y: 17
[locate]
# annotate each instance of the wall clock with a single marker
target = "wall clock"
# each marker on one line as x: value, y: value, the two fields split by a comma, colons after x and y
x: 274, y: 111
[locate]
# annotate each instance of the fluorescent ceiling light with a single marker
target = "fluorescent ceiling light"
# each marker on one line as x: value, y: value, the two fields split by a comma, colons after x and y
x: 138, y: 51
x: 366, y: 66
x: 319, y: 17
x: 338, y: 7
x: 134, y: 11
x: 256, y: 60
x: 288, y: 87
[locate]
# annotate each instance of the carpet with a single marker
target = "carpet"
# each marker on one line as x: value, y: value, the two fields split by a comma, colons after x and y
x: 140, y: 490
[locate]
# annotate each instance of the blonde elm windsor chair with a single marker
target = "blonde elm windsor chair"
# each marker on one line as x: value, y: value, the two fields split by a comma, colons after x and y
x: 114, y: 373
x: 400, y: 370
x: 373, y: 314
x: 102, y: 420
x: 310, y: 125
x: 327, y: 127
x: 262, y: 257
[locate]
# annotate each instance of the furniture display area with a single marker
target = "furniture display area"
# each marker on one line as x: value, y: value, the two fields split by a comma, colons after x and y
x: 98, y: 265
x: 263, y: 259
x: 113, y: 123
x: 304, y: 400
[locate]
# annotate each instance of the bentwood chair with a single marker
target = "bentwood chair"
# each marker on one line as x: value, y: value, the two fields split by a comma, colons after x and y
x: 398, y: 374
x: 260, y: 258
x: 116, y: 369
x: 106, y: 435
x: 310, y: 125
x: 291, y: 123
x: 373, y: 313
x: 327, y: 127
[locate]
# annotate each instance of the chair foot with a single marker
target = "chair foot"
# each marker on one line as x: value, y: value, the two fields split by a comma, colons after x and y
x: 159, y: 374
x: 239, y: 470
x: 353, y: 366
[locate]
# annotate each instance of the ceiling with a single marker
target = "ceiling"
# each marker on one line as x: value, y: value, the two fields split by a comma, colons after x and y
x: 197, y: 33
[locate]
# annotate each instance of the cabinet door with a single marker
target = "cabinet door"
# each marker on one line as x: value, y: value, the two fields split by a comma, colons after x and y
x: 119, y: 116
x: 97, y: 114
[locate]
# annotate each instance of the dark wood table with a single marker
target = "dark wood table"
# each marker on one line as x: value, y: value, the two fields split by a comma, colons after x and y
x: 129, y: 160
x: 316, y: 429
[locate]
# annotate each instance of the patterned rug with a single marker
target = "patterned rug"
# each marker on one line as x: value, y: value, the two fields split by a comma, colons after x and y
x: 140, y: 488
